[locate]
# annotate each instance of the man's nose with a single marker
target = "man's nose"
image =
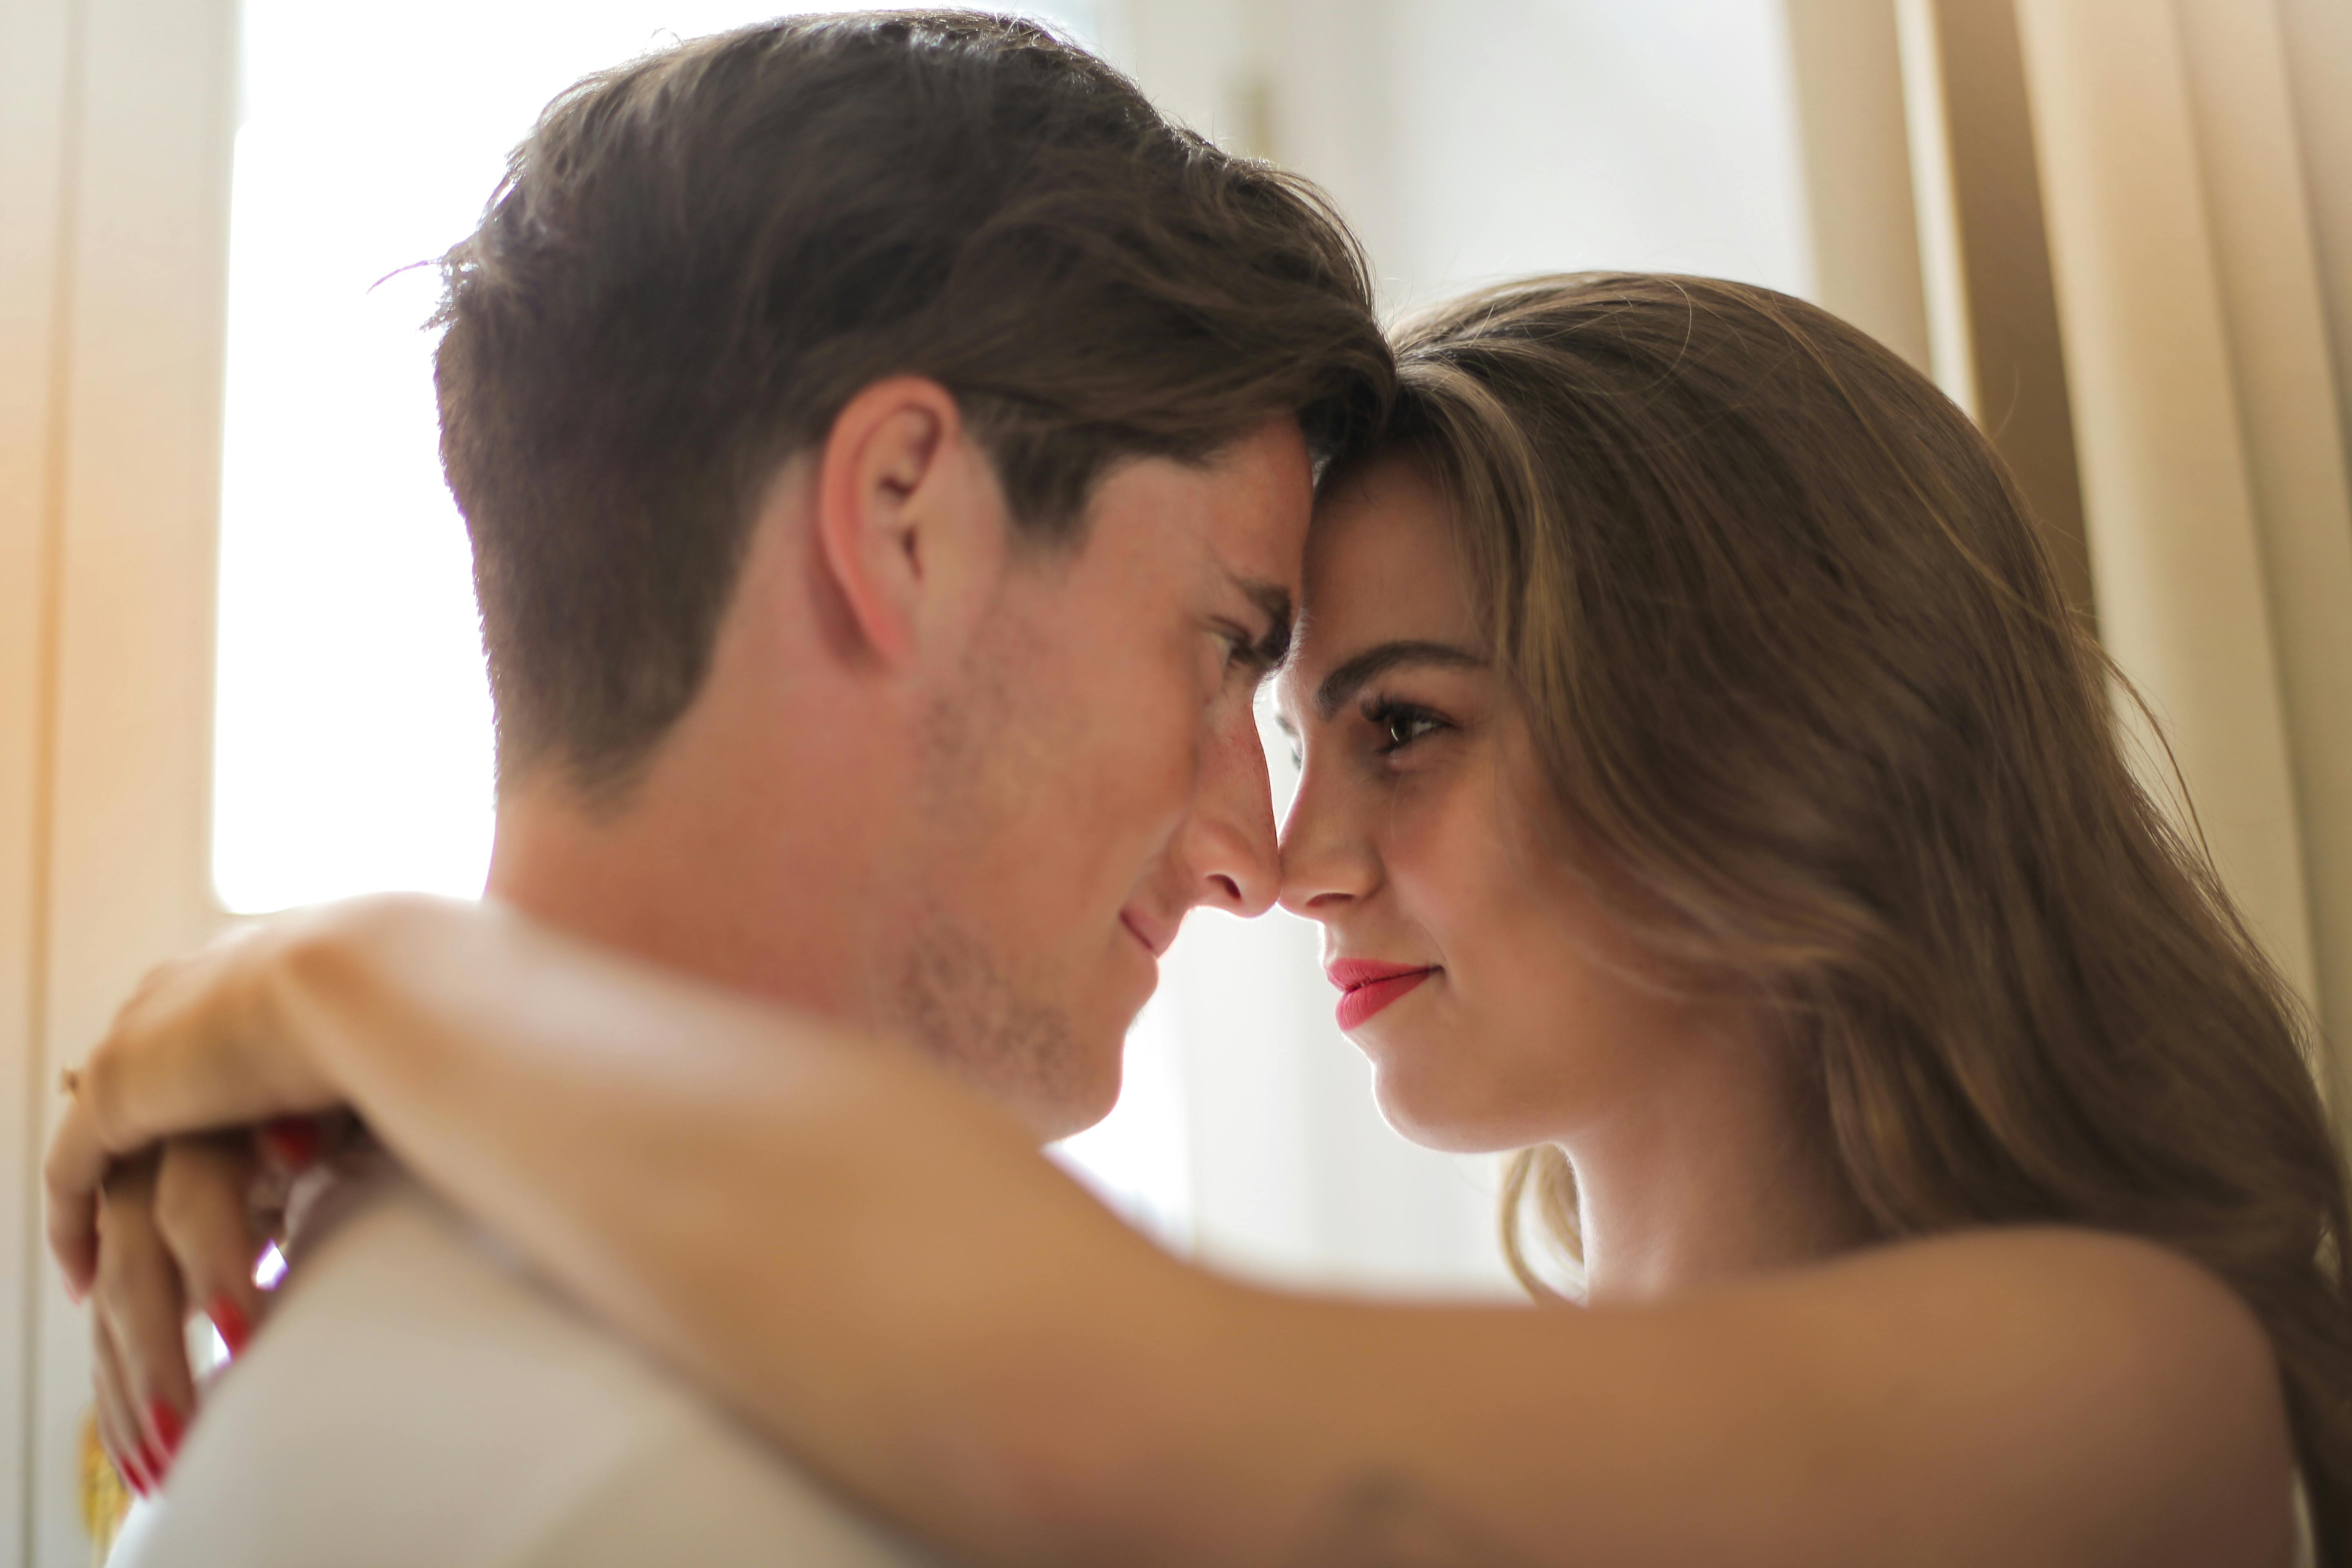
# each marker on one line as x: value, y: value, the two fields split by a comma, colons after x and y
x: 1230, y: 844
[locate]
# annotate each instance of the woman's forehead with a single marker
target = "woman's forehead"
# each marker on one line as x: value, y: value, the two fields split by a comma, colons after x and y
x: 1382, y: 561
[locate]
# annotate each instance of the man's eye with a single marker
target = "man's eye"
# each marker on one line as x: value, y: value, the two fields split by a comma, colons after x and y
x: 1244, y: 651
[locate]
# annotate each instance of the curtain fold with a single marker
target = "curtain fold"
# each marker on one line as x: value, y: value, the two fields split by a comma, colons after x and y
x: 2208, y: 417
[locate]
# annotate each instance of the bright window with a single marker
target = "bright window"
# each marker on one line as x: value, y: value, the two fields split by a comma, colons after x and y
x: 353, y: 716
x: 353, y: 719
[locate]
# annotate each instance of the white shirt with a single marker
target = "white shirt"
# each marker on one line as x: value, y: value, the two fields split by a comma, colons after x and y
x: 415, y: 1400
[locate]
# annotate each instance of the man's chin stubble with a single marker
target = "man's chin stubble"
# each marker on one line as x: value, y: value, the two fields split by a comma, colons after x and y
x: 954, y: 999
x: 1014, y: 1042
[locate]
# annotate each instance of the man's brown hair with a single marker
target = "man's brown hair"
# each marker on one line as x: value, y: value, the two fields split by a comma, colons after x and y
x: 695, y: 260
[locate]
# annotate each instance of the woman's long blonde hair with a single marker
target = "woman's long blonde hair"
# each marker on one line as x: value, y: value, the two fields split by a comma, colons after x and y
x: 1822, y: 726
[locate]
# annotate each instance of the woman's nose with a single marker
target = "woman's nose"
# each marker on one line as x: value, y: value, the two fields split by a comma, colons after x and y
x: 1327, y: 866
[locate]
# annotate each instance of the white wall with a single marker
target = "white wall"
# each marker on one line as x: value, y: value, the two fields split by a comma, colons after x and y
x: 1474, y: 140
x: 1469, y: 141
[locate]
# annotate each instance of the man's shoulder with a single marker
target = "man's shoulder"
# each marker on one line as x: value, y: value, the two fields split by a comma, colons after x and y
x: 415, y: 1397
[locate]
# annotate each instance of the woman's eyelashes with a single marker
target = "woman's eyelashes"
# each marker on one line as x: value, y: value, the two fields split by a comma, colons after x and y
x: 1396, y: 725
x: 1390, y: 724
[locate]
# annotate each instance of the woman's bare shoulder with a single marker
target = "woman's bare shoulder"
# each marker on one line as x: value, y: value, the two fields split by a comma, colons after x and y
x: 2097, y: 1298
x: 2027, y: 1396
x: 2118, y: 1379
x: 2105, y: 1273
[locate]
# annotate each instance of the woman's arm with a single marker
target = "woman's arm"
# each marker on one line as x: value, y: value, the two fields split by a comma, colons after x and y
x: 836, y: 1237
x: 879, y: 1270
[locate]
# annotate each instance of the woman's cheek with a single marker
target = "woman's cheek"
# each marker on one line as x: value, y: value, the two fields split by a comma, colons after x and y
x: 1445, y: 843
x: 1414, y: 833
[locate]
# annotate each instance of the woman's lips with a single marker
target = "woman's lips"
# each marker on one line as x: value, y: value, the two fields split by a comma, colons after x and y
x: 1367, y: 987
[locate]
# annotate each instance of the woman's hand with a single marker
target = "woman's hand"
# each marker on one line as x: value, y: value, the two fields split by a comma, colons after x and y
x: 214, y: 1041
x: 179, y: 1229
x: 154, y: 1228
x: 160, y: 1197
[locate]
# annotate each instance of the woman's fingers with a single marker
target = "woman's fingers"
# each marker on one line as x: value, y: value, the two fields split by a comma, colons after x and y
x: 193, y: 1049
x: 174, y: 1227
x: 139, y: 1298
x: 71, y: 1176
x: 105, y: 1111
x: 291, y: 1143
x: 117, y: 1424
x: 190, y: 1049
x: 204, y: 1044
x: 204, y: 1209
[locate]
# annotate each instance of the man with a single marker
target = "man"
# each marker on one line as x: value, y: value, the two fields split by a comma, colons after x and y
x: 887, y: 447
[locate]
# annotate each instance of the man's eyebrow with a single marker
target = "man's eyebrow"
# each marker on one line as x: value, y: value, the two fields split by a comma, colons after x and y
x: 1342, y: 682
x: 1273, y: 600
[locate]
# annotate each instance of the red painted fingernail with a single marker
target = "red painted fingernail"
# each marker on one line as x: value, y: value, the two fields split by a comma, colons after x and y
x: 127, y: 1467
x: 229, y: 1322
x: 164, y: 1427
x: 292, y: 1142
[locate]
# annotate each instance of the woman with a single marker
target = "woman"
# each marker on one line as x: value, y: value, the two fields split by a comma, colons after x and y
x: 1705, y: 790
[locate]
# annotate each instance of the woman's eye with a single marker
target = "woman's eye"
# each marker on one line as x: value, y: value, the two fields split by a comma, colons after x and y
x: 1405, y: 729
x: 1399, y: 726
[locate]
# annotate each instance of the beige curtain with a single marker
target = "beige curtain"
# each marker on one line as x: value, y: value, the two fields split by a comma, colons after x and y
x: 2186, y: 223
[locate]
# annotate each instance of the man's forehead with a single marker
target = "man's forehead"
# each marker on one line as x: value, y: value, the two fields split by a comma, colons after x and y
x: 1263, y: 490
x: 1253, y: 543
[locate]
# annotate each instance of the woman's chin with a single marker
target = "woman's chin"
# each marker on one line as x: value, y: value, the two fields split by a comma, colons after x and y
x: 1429, y: 1115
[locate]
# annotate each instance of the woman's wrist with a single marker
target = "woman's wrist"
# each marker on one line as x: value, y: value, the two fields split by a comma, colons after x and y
x: 332, y: 993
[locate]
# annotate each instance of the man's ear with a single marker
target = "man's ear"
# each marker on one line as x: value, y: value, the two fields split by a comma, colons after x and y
x: 895, y: 503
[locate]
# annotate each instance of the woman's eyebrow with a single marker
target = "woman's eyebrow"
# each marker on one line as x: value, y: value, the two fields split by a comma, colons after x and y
x: 1342, y: 682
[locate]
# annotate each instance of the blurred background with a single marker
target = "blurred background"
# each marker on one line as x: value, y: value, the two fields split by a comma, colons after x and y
x: 239, y: 666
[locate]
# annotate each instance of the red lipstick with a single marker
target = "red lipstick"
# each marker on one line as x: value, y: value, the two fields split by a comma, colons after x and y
x: 1367, y: 986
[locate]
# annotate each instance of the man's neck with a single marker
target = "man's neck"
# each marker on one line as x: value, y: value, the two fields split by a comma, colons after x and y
x: 766, y: 841
x: 685, y: 889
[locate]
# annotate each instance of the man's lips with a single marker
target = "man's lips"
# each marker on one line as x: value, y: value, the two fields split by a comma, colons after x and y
x: 1154, y: 939
x: 1366, y: 986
